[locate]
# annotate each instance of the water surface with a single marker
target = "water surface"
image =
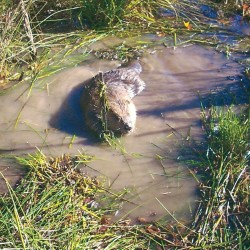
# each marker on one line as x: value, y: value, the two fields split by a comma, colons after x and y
x: 168, y: 111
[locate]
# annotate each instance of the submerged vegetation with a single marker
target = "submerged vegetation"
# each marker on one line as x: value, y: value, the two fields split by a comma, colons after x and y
x: 56, y: 206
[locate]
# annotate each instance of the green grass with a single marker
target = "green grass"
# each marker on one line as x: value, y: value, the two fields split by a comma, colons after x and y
x: 99, y: 14
x: 31, y: 42
x: 28, y: 53
x: 57, y: 207
x: 222, y: 219
x: 38, y: 37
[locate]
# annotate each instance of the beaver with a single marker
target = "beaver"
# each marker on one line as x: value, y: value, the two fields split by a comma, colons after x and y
x: 107, y: 100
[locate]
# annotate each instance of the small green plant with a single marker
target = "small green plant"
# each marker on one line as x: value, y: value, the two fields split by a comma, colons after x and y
x: 107, y: 135
x: 104, y: 104
x: 228, y: 134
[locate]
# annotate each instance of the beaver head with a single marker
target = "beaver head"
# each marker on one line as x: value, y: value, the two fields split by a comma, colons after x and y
x: 120, y: 115
x: 107, y: 103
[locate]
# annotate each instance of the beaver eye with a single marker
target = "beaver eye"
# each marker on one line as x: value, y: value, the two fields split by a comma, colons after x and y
x: 117, y: 118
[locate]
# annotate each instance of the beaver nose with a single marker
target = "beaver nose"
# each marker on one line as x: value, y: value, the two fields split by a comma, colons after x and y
x: 127, y: 127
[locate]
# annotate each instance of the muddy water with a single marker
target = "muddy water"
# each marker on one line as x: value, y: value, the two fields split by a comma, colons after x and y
x: 50, y: 117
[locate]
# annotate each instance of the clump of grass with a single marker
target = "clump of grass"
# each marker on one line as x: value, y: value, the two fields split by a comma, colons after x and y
x: 25, y: 40
x: 228, y: 135
x: 106, y: 13
x: 222, y: 218
x: 55, y: 207
x: 28, y: 53
x: 221, y: 168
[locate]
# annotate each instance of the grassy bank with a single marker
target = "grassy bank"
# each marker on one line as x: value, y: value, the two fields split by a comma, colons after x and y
x: 222, y: 219
x: 37, y: 36
x: 57, y: 207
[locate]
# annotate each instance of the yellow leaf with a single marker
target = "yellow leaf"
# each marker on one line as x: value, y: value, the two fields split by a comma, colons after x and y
x: 187, y: 25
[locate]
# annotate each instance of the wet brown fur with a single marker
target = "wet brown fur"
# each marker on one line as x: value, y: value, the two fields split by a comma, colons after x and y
x: 107, y: 100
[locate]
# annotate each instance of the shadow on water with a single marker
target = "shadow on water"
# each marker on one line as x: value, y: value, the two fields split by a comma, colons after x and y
x: 233, y: 94
x: 69, y: 117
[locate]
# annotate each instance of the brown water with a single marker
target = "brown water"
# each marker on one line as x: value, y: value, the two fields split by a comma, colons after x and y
x: 51, y: 115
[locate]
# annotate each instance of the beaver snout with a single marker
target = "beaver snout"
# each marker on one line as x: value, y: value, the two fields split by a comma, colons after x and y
x: 128, y: 127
